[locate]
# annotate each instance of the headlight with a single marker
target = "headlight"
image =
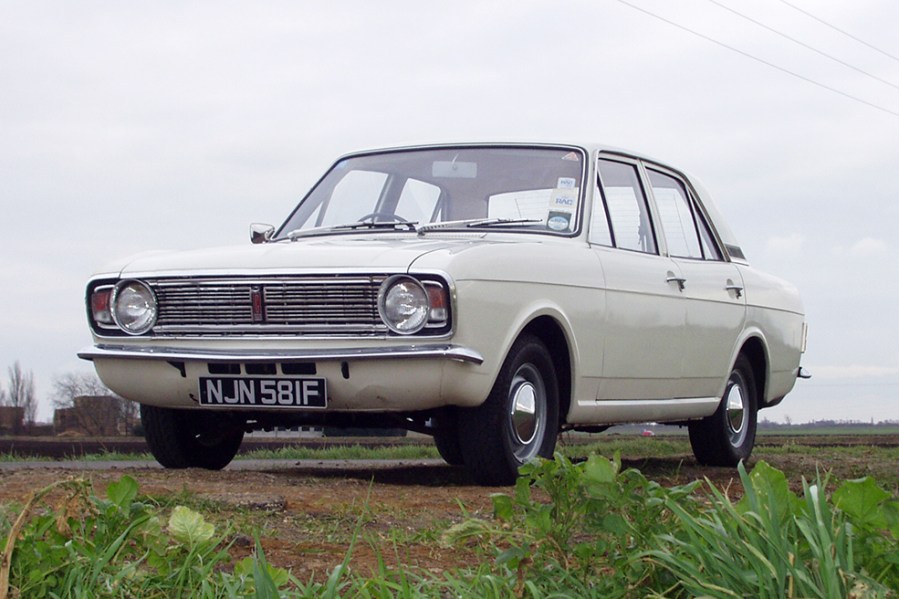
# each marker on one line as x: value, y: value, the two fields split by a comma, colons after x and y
x: 403, y: 305
x: 134, y: 307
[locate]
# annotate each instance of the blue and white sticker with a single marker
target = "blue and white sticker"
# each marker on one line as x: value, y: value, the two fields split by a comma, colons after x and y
x: 566, y: 183
x: 558, y: 223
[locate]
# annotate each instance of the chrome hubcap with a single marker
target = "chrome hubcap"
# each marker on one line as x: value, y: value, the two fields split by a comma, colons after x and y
x: 524, y: 413
x: 736, y: 409
x: 527, y: 413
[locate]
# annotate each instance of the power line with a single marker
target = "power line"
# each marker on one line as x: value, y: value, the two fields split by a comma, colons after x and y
x: 837, y: 29
x: 803, y: 44
x: 762, y: 60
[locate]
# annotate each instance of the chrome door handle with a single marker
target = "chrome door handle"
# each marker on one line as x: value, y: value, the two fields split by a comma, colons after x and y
x: 681, y: 282
x: 737, y: 289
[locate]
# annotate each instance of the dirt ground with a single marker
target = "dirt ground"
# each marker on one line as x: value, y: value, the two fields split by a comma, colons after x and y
x: 306, y: 512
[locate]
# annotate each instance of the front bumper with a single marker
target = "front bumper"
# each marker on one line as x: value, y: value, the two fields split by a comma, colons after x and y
x: 425, y: 351
x: 400, y: 378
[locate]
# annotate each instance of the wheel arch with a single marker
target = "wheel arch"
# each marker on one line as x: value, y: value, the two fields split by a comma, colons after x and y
x: 754, y: 350
x: 552, y: 334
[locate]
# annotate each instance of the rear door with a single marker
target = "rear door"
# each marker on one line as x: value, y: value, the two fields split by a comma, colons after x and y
x: 712, y: 287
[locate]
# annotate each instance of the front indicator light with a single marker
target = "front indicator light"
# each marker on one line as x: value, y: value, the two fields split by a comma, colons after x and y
x: 100, y: 306
x: 439, y: 303
x: 134, y: 307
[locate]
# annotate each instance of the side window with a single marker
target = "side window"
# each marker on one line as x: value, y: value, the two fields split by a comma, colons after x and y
x: 418, y: 201
x: 600, y: 233
x: 709, y: 249
x: 686, y: 232
x: 626, y: 203
x: 676, y: 216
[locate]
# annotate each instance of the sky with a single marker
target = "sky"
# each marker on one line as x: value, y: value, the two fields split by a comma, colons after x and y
x: 132, y: 126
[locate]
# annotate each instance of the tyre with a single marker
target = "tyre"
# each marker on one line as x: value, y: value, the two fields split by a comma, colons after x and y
x: 446, y: 438
x: 518, y: 422
x: 728, y: 436
x: 190, y: 439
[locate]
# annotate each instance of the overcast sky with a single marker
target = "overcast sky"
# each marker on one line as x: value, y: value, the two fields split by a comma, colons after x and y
x: 131, y: 126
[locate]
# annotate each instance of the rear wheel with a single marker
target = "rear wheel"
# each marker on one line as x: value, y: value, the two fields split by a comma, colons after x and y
x: 728, y: 435
x: 520, y: 419
x: 190, y: 439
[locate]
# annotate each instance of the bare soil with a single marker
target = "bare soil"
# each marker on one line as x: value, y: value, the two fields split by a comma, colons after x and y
x: 306, y: 512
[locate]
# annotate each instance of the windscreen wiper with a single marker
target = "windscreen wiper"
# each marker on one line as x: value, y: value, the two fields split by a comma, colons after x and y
x: 475, y: 222
x: 368, y: 224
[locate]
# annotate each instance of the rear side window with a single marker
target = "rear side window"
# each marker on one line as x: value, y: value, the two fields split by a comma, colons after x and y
x: 686, y: 233
x: 625, y: 202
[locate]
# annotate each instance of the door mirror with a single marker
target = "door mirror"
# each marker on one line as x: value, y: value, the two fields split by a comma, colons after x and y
x: 261, y: 233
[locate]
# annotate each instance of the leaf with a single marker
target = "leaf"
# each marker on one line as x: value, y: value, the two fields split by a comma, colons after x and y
x: 513, y: 556
x: 599, y: 470
x: 503, y: 506
x: 615, y: 524
x: 189, y: 527
x: 862, y: 500
x: 244, y: 567
x: 264, y: 576
x: 772, y: 491
x: 122, y: 492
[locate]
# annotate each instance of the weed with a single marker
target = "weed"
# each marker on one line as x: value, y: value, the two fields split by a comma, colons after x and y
x: 585, y: 529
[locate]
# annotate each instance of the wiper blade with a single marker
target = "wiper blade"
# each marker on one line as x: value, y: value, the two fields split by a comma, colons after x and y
x: 490, y: 222
x: 476, y: 222
x: 297, y: 233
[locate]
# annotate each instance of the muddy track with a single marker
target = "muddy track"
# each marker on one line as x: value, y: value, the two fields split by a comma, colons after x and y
x: 73, y: 447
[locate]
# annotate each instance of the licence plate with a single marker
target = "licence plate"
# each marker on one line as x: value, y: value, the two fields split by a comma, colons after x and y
x: 264, y: 392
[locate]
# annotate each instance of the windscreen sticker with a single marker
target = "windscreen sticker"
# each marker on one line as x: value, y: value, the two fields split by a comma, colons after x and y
x: 562, y: 206
x: 566, y: 183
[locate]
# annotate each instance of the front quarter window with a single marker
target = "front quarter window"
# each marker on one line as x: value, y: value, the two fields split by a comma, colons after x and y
x: 626, y: 203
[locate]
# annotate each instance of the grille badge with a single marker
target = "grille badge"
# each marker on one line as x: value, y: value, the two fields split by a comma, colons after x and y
x: 256, y: 301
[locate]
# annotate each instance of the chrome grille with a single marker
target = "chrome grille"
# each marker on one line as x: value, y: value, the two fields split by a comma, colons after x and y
x: 295, y: 305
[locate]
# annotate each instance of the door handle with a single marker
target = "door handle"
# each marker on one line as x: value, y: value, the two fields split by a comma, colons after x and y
x: 681, y: 281
x: 737, y: 289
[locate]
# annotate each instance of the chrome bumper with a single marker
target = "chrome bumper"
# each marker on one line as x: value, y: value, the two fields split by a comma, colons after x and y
x: 170, y: 354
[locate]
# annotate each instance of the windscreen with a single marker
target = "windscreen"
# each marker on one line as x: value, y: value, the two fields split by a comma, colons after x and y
x: 531, y: 189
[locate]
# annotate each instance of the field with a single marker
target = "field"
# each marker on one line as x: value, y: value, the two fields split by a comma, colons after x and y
x: 312, y: 513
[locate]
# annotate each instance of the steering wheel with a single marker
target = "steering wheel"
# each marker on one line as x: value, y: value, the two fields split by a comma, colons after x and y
x: 396, y: 218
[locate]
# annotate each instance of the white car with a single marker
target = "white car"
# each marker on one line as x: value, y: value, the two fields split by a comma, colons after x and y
x: 491, y: 295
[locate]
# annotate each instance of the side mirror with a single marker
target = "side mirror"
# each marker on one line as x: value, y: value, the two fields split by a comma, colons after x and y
x: 261, y: 233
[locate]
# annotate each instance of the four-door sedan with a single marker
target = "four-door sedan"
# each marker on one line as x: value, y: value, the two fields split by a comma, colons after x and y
x: 488, y: 295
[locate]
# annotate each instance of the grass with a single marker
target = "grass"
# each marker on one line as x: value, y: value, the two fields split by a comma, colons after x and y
x: 838, y: 431
x: 570, y: 444
x: 344, y: 452
x: 586, y: 529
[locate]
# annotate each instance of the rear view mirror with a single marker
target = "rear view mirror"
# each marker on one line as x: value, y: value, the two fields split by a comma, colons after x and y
x: 453, y: 169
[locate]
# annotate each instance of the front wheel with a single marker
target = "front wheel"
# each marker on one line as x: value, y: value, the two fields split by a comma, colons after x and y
x: 446, y: 437
x: 190, y: 439
x: 728, y: 436
x: 518, y: 422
